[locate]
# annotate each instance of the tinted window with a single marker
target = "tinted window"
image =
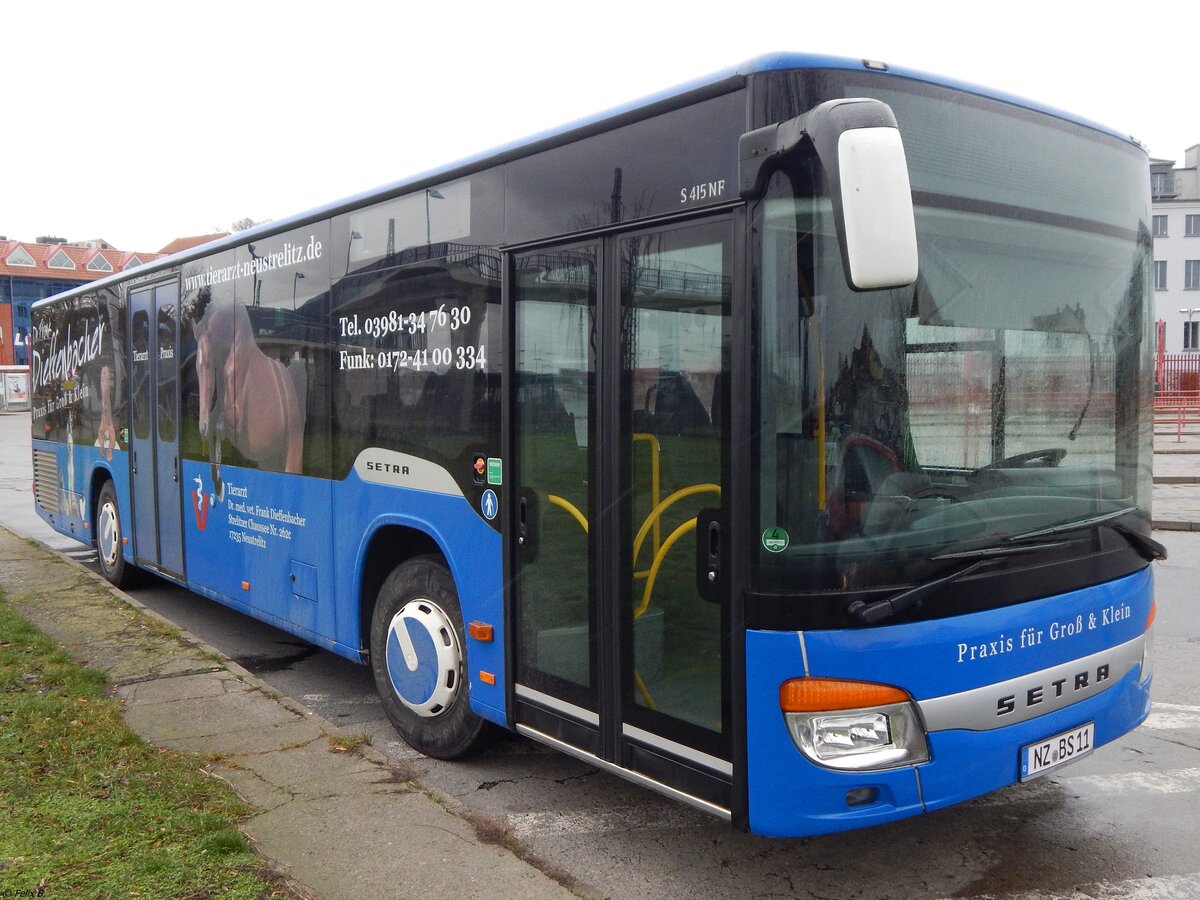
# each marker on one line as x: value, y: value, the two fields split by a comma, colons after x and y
x: 416, y: 326
x: 84, y: 384
x: 647, y: 168
x: 256, y: 371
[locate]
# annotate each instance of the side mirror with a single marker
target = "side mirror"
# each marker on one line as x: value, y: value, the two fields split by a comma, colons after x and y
x: 861, y: 152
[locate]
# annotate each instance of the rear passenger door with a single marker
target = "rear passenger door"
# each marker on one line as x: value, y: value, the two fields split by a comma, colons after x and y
x: 154, y: 460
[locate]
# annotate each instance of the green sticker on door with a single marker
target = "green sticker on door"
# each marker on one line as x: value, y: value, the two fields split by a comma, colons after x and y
x: 775, y: 539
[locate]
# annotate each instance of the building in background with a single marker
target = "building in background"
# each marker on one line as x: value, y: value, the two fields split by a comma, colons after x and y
x: 31, y: 271
x: 1175, y: 201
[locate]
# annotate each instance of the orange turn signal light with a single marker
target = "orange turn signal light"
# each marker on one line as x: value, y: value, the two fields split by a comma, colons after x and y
x: 1153, y: 614
x: 487, y: 677
x: 480, y: 631
x: 824, y: 694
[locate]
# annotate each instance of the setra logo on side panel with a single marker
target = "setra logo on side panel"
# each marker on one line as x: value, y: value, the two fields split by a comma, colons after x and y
x: 380, y: 466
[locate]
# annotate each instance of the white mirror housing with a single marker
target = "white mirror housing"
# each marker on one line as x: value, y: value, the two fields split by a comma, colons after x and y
x: 880, y: 242
x: 859, y: 146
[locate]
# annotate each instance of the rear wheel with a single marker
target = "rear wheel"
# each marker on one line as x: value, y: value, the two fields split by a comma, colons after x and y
x: 418, y: 661
x: 110, y: 539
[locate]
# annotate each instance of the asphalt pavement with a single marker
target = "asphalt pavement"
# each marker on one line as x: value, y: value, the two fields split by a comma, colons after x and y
x: 338, y: 822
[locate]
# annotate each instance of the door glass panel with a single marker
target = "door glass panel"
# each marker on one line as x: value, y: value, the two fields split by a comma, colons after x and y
x: 140, y: 380
x: 675, y: 287
x: 165, y: 298
x: 555, y: 421
x: 169, y: 499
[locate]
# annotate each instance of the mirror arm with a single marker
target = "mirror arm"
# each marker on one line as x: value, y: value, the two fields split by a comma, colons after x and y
x: 761, y: 149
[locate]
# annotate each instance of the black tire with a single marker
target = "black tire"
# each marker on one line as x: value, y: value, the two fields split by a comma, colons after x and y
x: 441, y: 725
x: 108, y: 538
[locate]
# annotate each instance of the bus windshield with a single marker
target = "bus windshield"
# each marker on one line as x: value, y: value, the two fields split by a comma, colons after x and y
x: 1003, y: 393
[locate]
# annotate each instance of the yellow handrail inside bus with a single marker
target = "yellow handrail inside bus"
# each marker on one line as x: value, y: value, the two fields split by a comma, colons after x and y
x: 655, y: 479
x: 656, y: 516
x: 643, y: 690
x: 571, y: 508
x: 652, y: 520
x: 579, y: 517
x: 689, y: 525
x: 822, y: 462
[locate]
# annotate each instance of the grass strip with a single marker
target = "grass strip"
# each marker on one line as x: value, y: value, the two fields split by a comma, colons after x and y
x: 88, y: 809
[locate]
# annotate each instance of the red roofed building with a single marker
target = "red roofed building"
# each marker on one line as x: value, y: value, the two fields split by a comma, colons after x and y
x: 187, y: 243
x: 31, y: 271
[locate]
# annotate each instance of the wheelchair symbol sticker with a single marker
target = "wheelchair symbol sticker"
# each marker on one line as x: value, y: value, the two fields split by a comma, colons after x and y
x: 489, y: 504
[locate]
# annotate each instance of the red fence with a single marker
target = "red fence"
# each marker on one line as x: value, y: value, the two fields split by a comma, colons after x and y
x: 1177, y: 391
x: 1178, y: 372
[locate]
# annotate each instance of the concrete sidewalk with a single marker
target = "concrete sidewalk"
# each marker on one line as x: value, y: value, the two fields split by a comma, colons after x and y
x: 338, y: 822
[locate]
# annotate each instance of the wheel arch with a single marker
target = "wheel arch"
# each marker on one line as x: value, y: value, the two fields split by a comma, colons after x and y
x: 100, y: 476
x: 388, y: 546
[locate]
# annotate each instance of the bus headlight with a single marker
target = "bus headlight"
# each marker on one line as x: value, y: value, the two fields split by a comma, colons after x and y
x: 853, y: 725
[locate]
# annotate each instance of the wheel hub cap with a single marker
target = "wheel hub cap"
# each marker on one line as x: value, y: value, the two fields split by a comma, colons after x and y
x: 423, y: 658
x: 108, y: 537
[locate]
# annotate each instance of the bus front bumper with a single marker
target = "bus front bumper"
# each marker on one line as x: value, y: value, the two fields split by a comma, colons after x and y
x: 978, y: 712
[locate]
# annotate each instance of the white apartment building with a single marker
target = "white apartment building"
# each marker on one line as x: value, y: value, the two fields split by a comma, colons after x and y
x: 1175, y: 203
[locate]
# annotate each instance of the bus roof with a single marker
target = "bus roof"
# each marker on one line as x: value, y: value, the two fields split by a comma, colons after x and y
x: 714, y: 83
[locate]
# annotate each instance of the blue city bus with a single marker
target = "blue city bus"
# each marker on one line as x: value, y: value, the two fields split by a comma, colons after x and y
x: 781, y: 442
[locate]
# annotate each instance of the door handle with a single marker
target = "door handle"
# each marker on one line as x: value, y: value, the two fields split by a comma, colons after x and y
x: 526, y: 525
x: 710, y: 555
x: 714, y: 552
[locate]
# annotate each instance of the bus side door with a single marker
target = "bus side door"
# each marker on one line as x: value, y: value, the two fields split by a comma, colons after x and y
x: 157, y: 493
x: 618, y: 412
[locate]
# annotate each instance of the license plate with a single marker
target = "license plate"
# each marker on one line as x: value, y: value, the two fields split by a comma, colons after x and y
x: 1039, y: 758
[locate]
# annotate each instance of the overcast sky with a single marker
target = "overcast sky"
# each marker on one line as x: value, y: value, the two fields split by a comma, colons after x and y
x: 142, y: 122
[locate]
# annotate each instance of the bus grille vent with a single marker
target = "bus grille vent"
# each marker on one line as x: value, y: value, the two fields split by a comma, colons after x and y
x: 45, y: 480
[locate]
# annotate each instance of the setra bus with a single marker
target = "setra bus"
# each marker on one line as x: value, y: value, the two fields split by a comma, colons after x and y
x: 781, y: 442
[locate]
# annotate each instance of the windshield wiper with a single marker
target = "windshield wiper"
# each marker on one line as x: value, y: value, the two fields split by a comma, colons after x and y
x: 1072, y: 526
x: 1001, y: 551
x: 1147, y: 547
x: 877, y: 610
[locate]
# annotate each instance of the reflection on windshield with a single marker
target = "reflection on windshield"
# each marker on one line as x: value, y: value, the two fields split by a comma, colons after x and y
x: 998, y: 396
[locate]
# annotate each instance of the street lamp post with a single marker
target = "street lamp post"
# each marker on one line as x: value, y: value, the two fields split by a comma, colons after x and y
x: 295, y: 278
x: 436, y: 195
x: 256, y: 292
x: 354, y: 236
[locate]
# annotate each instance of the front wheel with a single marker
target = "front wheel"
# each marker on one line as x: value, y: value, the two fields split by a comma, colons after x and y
x: 418, y: 661
x: 110, y: 540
